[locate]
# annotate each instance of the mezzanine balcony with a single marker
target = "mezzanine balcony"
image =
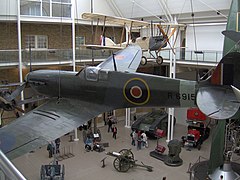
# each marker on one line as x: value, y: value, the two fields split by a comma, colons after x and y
x: 64, y: 56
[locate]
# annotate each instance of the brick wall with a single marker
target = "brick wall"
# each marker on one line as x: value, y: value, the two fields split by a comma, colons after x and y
x: 59, y: 35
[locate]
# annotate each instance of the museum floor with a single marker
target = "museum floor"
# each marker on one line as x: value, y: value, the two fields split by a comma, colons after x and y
x: 87, y: 165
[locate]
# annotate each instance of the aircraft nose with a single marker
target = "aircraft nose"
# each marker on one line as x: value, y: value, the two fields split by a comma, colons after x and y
x: 26, y: 77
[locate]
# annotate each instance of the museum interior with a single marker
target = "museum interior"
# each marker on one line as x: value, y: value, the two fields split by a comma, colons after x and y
x: 119, y: 89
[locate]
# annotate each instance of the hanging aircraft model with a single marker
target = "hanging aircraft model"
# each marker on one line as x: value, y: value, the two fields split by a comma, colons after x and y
x: 151, y: 43
x: 75, y: 98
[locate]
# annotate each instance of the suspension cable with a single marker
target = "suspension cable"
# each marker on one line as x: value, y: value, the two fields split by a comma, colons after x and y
x: 217, y: 11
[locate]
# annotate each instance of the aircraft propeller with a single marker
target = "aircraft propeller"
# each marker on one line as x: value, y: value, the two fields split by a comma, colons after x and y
x: 166, y: 37
x: 7, y: 98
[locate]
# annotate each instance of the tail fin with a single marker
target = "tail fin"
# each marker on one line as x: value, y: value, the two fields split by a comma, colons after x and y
x: 227, y: 71
x: 127, y: 59
x: 105, y: 41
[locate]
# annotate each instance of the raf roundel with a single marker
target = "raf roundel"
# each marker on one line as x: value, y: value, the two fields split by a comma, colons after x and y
x: 136, y: 91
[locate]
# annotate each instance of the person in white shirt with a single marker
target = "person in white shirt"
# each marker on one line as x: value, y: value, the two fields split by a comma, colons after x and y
x: 144, y: 139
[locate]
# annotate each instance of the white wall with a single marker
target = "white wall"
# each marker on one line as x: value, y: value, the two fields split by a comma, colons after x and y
x: 207, y: 37
x: 99, y: 6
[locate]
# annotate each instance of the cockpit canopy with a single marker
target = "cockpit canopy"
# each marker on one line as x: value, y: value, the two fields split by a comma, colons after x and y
x: 95, y: 74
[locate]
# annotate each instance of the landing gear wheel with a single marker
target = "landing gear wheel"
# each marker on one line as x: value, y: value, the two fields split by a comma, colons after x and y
x: 143, y: 61
x: 159, y: 60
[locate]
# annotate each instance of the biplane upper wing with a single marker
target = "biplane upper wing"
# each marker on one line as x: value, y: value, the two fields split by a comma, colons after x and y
x: 46, y: 123
x: 113, y: 20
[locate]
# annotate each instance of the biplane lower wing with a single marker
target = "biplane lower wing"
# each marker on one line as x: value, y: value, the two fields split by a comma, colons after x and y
x: 46, y: 123
x: 99, y: 47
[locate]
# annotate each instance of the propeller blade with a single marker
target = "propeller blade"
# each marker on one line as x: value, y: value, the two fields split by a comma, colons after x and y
x: 166, y: 37
x: 15, y: 93
x: 19, y: 109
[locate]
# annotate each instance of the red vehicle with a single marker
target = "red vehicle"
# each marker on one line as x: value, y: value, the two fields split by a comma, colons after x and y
x: 197, y: 129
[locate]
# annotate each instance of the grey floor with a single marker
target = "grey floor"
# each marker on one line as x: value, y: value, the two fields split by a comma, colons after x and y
x: 87, y: 166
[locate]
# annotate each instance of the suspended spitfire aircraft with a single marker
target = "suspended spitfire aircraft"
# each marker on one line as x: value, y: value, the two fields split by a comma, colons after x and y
x: 151, y: 43
x: 75, y: 98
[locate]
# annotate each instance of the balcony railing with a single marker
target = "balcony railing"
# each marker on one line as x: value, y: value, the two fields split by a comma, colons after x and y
x: 65, y: 56
x: 202, y: 56
x: 50, y: 55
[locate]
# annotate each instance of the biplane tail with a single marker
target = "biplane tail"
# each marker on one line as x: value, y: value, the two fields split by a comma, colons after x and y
x: 126, y: 60
x: 105, y: 41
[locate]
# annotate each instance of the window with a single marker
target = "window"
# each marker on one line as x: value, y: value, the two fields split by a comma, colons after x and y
x: 80, y: 40
x: 45, y: 8
x: 51, y: 8
x: 61, y: 10
x: 31, y: 8
x: 37, y: 41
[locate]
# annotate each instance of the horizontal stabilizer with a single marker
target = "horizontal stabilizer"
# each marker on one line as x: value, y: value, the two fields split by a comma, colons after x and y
x: 217, y: 102
x: 233, y: 35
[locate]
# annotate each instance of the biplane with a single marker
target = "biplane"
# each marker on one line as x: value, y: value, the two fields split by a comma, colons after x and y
x: 151, y: 43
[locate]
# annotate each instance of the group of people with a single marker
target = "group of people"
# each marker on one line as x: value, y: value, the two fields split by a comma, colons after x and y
x: 112, y: 127
x: 51, y: 147
x: 139, y: 138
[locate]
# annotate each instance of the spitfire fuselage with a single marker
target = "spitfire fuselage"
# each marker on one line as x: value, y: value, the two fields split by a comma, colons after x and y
x: 114, y: 89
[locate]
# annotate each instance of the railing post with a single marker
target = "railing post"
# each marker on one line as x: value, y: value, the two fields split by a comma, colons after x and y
x: 9, y: 170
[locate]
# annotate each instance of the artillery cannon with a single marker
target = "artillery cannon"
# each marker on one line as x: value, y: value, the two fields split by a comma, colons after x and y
x: 124, y: 160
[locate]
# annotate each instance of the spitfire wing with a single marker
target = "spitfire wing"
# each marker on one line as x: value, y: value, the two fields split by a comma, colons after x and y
x: 45, y: 123
x: 127, y: 60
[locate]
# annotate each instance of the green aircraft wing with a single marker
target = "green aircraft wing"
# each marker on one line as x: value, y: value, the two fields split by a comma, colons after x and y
x: 46, y: 123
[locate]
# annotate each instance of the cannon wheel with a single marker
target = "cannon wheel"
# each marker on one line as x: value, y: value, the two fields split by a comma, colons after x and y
x: 121, y: 164
x: 127, y: 153
x: 125, y: 161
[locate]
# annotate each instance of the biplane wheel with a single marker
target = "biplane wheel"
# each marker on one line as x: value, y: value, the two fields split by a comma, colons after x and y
x: 127, y: 153
x: 121, y: 164
x: 159, y: 60
x: 143, y: 61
